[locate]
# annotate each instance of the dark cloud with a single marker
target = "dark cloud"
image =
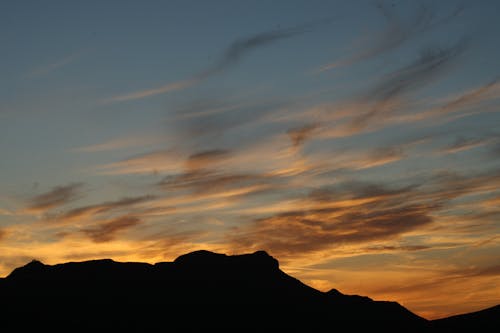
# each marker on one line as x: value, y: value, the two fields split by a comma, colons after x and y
x: 357, y: 212
x: 431, y: 63
x: 238, y: 49
x: 300, y: 134
x: 462, y: 143
x: 207, y: 181
x: 312, y: 230
x: 231, y: 56
x: 359, y: 190
x: 489, y: 271
x: 205, y: 158
x: 385, y: 248
x: 105, y: 207
x: 107, y: 231
x: 57, y: 196
x: 399, y: 29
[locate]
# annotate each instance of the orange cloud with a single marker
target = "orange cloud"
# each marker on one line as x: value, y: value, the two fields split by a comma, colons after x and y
x: 106, y: 231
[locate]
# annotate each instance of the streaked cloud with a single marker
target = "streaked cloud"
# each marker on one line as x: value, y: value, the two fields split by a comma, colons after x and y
x: 108, y: 230
x: 432, y: 62
x: 121, y: 143
x: 179, y: 85
x: 463, y: 144
x: 300, y: 134
x: 48, y: 68
x: 156, y: 161
x: 206, y: 158
x: 56, y: 197
x: 399, y: 29
x: 230, y: 57
x: 85, y: 211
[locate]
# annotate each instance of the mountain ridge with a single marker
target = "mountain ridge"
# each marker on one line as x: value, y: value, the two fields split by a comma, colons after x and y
x: 246, y: 288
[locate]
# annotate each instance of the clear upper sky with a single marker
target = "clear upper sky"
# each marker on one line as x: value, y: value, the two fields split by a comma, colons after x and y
x: 355, y: 141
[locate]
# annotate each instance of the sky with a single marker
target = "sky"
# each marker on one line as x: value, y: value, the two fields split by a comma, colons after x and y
x: 358, y: 142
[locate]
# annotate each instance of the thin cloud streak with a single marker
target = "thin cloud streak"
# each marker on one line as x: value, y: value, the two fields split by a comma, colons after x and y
x: 57, y: 196
x: 107, y: 231
x: 399, y: 30
x: 155, y: 91
x: 47, y: 69
x: 430, y: 64
x: 233, y: 54
x: 90, y: 210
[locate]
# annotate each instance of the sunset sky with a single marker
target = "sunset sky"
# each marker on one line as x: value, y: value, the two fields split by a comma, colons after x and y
x: 357, y: 142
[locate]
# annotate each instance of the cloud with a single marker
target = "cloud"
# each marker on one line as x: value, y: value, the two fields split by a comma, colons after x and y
x: 356, y: 213
x: 47, y: 69
x: 488, y: 271
x: 330, y: 217
x: 399, y: 29
x: 470, y: 97
x: 463, y: 144
x: 472, y: 101
x: 151, y: 162
x: 309, y: 231
x: 385, y: 96
x: 205, y: 181
x: 231, y: 56
x: 238, y: 49
x: 57, y: 196
x: 120, y: 143
x: 298, y: 135
x: 179, y: 85
x: 107, y: 231
x: 207, y: 158
x: 3, y: 233
x: 5, y: 212
x: 390, y: 248
x: 80, y: 212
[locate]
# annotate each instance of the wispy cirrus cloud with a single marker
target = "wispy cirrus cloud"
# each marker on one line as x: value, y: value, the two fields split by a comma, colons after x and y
x: 57, y: 196
x: 156, y: 161
x: 428, y: 66
x: 108, y: 230
x: 230, y: 57
x: 121, y: 143
x: 57, y: 64
x: 104, y: 207
x: 374, y: 213
x: 298, y: 135
x: 179, y: 85
x: 463, y: 144
x: 399, y: 29
x: 207, y: 158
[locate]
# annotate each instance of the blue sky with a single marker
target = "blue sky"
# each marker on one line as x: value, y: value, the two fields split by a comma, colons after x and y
x: 346, y: 138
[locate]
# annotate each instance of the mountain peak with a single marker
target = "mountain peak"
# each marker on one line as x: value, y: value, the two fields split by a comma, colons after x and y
x: 207, y: 258
x: 30, y: 269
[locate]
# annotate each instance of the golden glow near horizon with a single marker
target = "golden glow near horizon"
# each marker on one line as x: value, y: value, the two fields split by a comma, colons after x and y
x: 360, y: 149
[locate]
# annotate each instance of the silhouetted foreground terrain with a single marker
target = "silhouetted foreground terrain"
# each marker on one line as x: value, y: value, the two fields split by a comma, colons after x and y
x: 198, y: 291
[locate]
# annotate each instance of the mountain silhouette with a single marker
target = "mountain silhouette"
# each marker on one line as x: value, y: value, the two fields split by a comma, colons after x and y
x: 487, y: 320
x: 198, y: 291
